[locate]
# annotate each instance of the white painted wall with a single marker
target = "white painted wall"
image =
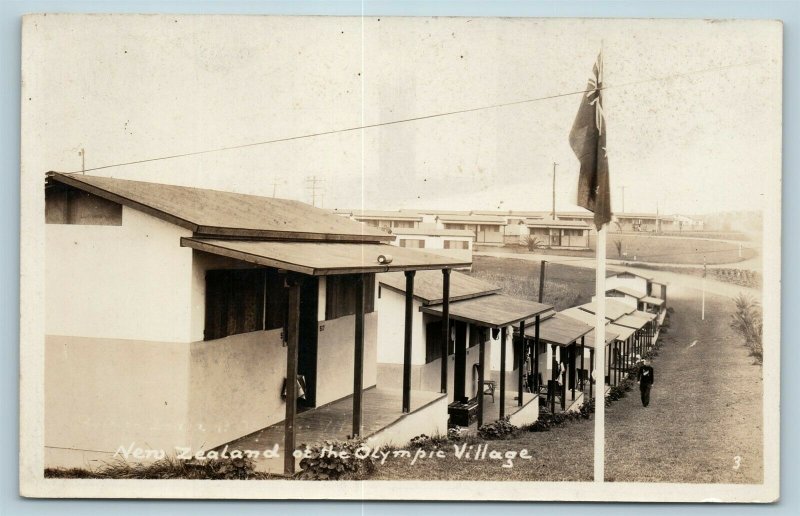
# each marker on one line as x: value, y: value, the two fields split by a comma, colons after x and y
x: 235, y: 386
x: 627, y: 300
x: 118, y: 282
x: 636, y: 283
x: 391, y: 308
x: 103, y: 393
x: 335, y: 352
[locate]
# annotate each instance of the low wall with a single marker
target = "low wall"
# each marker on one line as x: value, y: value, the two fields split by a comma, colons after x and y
x: 527, y: 414
x: 235, y: 387
x: 430, y: 420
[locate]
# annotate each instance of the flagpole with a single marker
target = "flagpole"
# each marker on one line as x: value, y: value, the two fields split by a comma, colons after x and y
x: 599, y: 354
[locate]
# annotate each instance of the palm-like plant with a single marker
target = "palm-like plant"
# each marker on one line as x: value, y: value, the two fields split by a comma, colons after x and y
x: 747, y: 321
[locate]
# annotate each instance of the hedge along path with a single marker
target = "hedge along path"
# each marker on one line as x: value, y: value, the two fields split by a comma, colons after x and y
x: 705, y: 408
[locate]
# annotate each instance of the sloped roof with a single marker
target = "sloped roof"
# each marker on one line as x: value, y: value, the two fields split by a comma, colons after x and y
x: 214, y: 213
x: 560, y: 329
x: 627, y: 291
x: 428, y: 286
x: 433, y: 232
x: 550, y: 223
x: 324, y: 258
x: 472, y: 219
x: 494, y: 311
x: 385, y: 215
x: 614, y: 309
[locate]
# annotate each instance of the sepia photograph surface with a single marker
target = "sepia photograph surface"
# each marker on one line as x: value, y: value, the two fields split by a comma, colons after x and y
x: 400, y: 258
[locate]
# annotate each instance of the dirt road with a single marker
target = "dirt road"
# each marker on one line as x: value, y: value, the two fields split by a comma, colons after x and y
x: 704, y: 422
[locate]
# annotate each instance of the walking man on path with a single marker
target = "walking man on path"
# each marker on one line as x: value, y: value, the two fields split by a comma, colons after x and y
x: 645, y: 379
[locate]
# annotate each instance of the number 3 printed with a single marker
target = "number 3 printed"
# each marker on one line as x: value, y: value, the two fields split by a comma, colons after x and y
x: 737, y: 461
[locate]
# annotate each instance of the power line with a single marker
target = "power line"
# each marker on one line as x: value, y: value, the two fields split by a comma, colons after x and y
x: 412, y: 119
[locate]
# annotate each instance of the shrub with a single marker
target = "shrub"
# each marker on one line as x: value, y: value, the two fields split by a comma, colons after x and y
x: 533, y: 243
x: 747, y: 322
x: 456, y: 433
x: 497, y: 429
x: 166, y: 468
x: 336, y: 460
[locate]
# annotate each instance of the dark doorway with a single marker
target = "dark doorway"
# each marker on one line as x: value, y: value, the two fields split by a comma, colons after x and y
x: 307, y: 349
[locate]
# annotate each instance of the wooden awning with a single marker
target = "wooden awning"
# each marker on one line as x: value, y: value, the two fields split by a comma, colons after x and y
x: 322, y: 258
x: 589, y: 341
x: 632, y: 321
x: 493, y: 311
x: 560, y: 329
x: 638, y: 294
x: 614, y: 309
x: 623, y: 331
x: 650, y: 300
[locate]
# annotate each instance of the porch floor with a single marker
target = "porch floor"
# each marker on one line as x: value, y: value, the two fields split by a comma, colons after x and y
x: 380, y: 408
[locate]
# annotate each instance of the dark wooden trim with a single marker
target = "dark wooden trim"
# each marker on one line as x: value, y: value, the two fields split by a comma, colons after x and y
x: 432, y: 310
x: 481, y: 372
x: 407, y: 344
x: 583, y: 365
x: 503, y: 338
x: 278, y: 264
x: 292, y: 333
x: 591, y: 371
x: 521, y: 364
x: 445, y: 344
x: 358, y: 359
x: 243, y: 233
x: 536, y: 356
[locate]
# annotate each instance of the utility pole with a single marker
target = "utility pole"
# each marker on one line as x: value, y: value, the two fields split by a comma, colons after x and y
x: 623, y: 199
x: 274, y: 187
x: 554, y: 189
x: 82, y: 152
x: 314, y: 185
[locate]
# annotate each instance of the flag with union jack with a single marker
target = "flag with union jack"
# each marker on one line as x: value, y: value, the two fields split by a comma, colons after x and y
x: 588, y: 141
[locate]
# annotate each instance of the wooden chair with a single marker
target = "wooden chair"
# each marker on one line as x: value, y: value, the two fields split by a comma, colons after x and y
x: 488, y: 388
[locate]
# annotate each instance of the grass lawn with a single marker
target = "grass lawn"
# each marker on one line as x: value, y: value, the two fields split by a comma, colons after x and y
x: 649, y: 248
x: 564, y: 453
x: 705, y: 407
x: 653, y: 249
x: 565, y: 286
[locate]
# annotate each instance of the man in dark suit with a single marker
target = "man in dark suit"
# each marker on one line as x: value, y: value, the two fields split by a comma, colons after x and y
x: 645, y: 378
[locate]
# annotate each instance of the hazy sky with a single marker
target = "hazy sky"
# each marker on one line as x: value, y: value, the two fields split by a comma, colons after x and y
x: 138, y: 87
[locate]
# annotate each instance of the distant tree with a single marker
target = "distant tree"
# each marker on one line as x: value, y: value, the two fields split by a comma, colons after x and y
x: 618, y: 245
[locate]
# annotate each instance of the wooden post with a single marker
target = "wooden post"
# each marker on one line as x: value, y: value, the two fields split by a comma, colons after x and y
x: 521, y: 364
x: 445, y: 328
x: 292, y: 342
x: 541, y: 281
x: 571, y: 369
x: 358, y: 361
x: 503, y: 338
x: 583, y: 368
x: 407, y: 341
x: 553, y: 378
x: 591, y: 369
x: 481, y: 364
x: 536, y: 385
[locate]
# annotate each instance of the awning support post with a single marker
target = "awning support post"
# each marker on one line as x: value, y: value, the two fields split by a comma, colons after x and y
x: 292, y: 342
x: 591, y: 370
x: 481, y: 372
x: 536, y: 385
x: 521, y: 364
x: 407, y: 341
x: 445, y: 328
x: 358, y: 362
x: 503, y: 338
